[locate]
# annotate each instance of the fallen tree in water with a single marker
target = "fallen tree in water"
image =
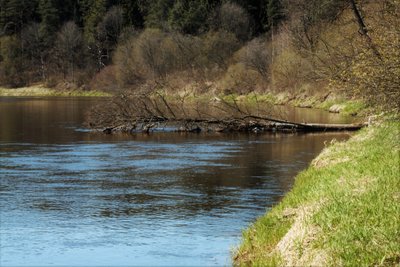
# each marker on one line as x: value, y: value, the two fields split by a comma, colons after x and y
x: 141, y: 112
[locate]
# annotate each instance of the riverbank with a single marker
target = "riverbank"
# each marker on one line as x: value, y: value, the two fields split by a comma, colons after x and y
x: 40, y: 90
x: 343, y: 210
x: 328, y: 102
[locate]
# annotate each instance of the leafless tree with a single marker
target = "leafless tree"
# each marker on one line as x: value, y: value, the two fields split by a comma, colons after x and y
x: 69, y: 48
x: 256, y: 55
x: 218, y: 48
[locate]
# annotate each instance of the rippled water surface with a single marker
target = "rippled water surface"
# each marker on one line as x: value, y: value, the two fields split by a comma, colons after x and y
x: 71, y: 197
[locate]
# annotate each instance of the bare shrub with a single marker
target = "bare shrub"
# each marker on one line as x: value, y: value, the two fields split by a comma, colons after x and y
x: 291, y: 70
x: 188, y: 51
x: 239, y: 79
x: 256, y: 55
x: 218, y: 49
x: 155, y: 55
x: 156, y: 60
x: 105, y: 80
x: 127, y: 65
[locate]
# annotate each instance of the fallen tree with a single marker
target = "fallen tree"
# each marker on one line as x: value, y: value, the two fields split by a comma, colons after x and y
x: 143, y: 112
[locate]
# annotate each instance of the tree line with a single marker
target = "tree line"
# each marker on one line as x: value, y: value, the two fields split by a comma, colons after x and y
x: 234, y: 46
x: 42, y: 38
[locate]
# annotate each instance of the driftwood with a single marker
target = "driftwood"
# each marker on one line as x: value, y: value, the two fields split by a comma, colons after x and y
x: 146, y: 113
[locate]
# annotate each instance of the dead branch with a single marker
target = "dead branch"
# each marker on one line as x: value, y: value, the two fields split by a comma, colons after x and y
x: 144, y: 112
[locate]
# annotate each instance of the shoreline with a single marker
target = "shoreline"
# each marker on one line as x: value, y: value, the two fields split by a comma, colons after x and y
x: 327, y: 102
x: 42, y: 91
x: 344, y: 209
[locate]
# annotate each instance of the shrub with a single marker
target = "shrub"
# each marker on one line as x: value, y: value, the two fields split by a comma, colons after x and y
x: 256, y: 55
x: 218, y: 49
x: 240, y: 80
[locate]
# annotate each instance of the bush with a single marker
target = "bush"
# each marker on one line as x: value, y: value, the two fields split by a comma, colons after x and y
x: 291, y: 70
x: 218, y: 49
x: 256, y: 55
x: 105, y: 80
x: 240, y: 80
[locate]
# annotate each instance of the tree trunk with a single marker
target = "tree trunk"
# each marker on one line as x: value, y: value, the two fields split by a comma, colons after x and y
x: 363, y: 28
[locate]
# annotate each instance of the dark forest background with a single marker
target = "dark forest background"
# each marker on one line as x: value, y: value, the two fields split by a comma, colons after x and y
x: 202, y: 45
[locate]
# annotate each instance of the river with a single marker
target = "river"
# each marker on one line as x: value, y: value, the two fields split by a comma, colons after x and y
x: 73, y: 197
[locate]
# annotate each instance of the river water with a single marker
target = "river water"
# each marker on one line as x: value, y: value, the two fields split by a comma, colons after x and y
x: 72, y: 197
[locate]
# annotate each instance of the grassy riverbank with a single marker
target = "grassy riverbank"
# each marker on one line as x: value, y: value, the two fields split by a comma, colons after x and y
x: 336, y: 104
x: 343, y: 210
x: 43, y: 91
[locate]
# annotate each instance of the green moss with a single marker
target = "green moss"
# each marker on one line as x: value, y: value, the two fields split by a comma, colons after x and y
x: 357, y: 185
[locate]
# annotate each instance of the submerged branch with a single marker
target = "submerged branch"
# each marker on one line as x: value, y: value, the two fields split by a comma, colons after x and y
x: 144, y: 113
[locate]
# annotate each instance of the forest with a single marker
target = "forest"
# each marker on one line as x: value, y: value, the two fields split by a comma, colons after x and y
x: 349, y: 47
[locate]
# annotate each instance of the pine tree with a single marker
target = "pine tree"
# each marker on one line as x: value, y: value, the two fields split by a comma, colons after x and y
x: 69, y: 11
x: 157, y: 13
x: 94, y: 13
x: 274, y: 14
x: 133, y: 14
x: 188, y: 16
x: 50, y: 20
x: 15, y: 14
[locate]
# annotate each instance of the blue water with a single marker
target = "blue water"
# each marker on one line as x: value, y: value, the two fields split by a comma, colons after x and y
x: 73, y: 198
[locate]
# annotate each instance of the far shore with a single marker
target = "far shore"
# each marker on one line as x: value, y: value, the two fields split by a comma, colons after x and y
x: 40, y: 90
x: 334, y: 104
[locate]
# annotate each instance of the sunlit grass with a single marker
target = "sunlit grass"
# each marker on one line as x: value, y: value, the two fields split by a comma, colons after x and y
x: 356, y: 187
x: 349, y: 107
x: 43, y: 91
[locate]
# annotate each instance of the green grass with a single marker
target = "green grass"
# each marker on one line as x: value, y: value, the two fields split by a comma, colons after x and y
x: 43, y: 91
x: 349, y: 107
x: 355, y: 186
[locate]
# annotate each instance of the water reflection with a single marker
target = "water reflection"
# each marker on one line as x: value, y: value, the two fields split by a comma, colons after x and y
x: 74, y: 198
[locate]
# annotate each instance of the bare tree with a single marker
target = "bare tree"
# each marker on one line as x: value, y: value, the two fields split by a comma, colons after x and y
x: 110, y: 28
x: 33, y: 48
x: 69, y: 48
x: 257, y: 56
x: 218, y: 48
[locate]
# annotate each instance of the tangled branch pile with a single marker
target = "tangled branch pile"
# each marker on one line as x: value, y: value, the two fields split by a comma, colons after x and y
x: 145, y: 112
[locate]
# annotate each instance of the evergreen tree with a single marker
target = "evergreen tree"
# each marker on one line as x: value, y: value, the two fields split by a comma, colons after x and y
x: 94, y: 11
x: 133, y: 14
x: 157, y: 13
x: 257, y: 10
x: 50, y: 20
x: 15, y: 14
x: 188, y: 16
x: 274, y: 14
x: 69, y: 10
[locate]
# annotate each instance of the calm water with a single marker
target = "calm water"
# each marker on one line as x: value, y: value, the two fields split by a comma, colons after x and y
x: 70, y: 197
